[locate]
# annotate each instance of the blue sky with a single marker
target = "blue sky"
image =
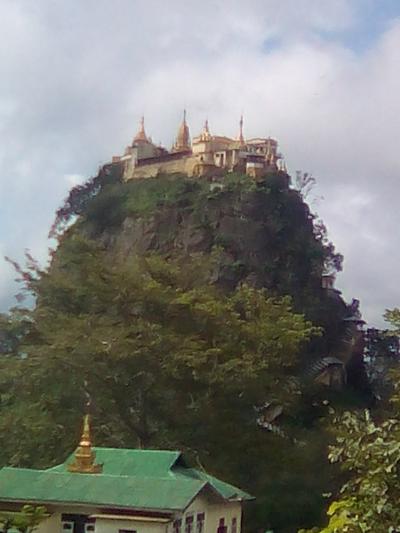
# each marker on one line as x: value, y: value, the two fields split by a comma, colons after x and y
x: 322, y: 76
x: 371, y: 19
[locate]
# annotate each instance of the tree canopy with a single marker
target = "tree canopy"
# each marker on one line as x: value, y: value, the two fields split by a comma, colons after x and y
x: 367, y: 449
x: 25, y: 521
x: 153, y: 311
x: 167, y: 358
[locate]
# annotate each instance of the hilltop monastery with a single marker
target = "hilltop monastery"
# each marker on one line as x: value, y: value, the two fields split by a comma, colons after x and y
x: 205, y: 155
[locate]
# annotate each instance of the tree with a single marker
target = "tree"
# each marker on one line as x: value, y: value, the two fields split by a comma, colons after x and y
x: 368, y: 451
x: 80, y: 196
x: 13, y: 327
x: 381, y: 355
x: 333, y: 261
x: 25, y: 521
x: 157, y: 346
x: 304, y: 183
x: 173, y: 348
x: 393, y: 317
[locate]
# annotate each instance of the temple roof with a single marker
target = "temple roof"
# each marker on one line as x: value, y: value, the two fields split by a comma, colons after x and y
x: 141, y: 134
x: 139, y: 479
x: 183, y: 138
x: 128, y: 462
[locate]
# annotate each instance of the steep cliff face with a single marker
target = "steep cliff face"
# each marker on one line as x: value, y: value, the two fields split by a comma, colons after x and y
x: 262, y: 233
x: 261, y: 236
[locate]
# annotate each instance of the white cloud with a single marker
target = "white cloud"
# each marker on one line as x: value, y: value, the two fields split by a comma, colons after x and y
x: 74, y: 179
x: 78, y: 76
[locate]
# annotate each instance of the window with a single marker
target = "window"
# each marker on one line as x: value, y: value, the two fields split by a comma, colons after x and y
x: 67, y: 526
x: 222, y: 527
x: 89, y: 528
x: 234, y: 525
x: 177, y: 526
x: 189, y: 524
x: 200, y: 523
x: 126, y: 531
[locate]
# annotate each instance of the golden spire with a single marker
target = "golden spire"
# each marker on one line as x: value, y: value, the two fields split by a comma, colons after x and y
x: 205, y: 135
x: 141, y: 134
x: 182, y: 143
x: 241, y: 138
x: 84, y: 461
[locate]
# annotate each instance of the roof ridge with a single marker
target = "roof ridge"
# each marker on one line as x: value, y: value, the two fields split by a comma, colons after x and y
x: 137, y: 450
x: 169, y: 476
x: 79, y: 475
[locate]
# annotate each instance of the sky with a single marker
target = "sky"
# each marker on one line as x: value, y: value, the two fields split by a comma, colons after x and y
x: 321, y: 76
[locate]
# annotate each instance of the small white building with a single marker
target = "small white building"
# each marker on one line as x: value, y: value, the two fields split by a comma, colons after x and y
x: 109, y: 490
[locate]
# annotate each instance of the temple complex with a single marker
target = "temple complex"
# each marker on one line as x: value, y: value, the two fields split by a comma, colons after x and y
x: 205, y: 155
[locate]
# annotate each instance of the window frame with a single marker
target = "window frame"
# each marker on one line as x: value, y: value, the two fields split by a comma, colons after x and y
x: 200, y: 519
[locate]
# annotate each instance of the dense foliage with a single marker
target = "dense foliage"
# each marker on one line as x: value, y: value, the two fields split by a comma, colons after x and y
x: 164, y: 320
x: 167, y: 358
x: 265, y: 232
x: 187, y: 311
x: 368, y: 450
x: 80, y: 196
x: 25, y: 521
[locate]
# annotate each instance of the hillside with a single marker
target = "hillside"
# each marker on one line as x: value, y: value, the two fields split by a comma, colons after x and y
x: 263, y: 234
x: 191, y: 312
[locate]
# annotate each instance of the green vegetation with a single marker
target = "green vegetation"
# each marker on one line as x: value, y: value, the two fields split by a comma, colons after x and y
x: 188, y: 311
x: 24, y: 521
x: 157, y: 330
x: 142, y: 198
x: 168, y: 359
x: 243, y: 216
x: 367, y: 449
x: 393, y: 317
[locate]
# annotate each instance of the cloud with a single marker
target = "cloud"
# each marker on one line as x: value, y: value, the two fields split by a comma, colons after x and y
x: 77, y: 76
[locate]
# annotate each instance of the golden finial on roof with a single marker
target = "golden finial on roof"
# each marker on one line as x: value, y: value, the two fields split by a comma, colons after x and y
x: 205, y: 135
x: 141, y: 134
x: 182, y: 143
x: 241, y: 138
x: 84, y: 457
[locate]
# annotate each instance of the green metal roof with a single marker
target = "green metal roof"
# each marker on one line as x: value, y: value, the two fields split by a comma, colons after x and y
x: 98, y: 489
x: 141, y: 479
x: 124, y: 462
x: 225, y: 489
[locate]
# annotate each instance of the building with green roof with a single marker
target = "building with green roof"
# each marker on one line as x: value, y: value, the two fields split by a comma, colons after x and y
x: 110, y: 490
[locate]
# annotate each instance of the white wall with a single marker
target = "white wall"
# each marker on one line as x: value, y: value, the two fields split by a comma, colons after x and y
x: 213, y: 513
x: 104, y: 525
x: 202, y: 504
x: 51, y: 524
x: 227, y: 511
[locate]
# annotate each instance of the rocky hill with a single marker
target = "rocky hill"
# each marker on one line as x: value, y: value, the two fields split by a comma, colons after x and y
x: 261, y: 232
x: 192, y: 312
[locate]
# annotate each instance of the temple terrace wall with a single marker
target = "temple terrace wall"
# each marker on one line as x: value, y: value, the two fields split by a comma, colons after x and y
x: 183, y: 165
